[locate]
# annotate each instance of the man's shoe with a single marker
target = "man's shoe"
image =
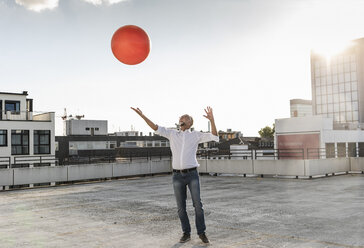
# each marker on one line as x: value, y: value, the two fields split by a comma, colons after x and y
x: 204, y: 238
x: 186, y: 237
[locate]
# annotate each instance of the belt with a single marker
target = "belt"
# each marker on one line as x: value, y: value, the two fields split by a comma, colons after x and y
x: 185, y: 170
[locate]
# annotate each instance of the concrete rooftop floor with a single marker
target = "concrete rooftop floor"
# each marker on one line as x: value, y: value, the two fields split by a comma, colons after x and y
x: 141, y: 212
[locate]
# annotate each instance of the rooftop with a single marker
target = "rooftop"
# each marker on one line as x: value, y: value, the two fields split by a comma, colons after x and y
x: 141, y: 212
x: 24, y: 93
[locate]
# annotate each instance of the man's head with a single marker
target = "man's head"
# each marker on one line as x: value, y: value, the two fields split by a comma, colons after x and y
x: 185, y: 122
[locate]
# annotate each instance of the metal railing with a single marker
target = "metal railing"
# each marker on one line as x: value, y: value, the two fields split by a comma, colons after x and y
x: 255, y: 154
x: 25, y: 161
x: 125, y: 158
x: 25, y: 115
x: 323, y: 153
x: 5, y: 162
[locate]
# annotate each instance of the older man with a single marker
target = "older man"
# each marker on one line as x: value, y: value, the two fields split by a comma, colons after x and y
x: 184, y: 144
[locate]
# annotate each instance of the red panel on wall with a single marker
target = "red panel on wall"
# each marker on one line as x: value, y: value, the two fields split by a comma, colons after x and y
x: 298, y: 141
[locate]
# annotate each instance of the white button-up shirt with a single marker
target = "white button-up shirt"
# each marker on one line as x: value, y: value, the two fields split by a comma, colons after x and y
x: 184, y: 145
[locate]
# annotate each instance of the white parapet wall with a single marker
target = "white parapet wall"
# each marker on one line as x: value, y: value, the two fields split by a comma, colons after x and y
x: 52, y: 174
x: 230, y: 166
x: 39, y: 175
x: 6, y: 177
x: 160, y: 166
x: 357, y: 164
x: 89, y: 171
x: 131, y: 169
x: 315, y: 167
x: 284, y: 167
x: 203, y: 165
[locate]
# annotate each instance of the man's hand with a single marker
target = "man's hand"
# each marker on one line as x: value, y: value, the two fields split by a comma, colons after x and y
x: 137, y: 110
x: 210, y: 116
x: 149, y: 122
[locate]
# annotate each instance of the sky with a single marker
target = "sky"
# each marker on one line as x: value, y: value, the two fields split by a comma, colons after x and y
x: 244, y: 58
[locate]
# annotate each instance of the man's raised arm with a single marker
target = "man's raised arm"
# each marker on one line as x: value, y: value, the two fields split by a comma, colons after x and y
x: 149, y: 122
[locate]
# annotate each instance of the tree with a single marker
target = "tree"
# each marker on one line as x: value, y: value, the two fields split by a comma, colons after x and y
x: 267, y: 132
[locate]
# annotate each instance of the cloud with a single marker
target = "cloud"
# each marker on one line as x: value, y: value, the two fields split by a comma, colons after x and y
x: 99, y: 2
x: 38, y: 5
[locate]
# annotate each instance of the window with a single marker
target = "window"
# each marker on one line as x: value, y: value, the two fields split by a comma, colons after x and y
x: 347, y: 67
x: 341, y: 150
x: 334, y: 79
x: 354, y: 95
x: 3, y: 137
x: 355, y: 115
x: 330, y: 150
x: 348, y: 106
x: 318, y: 91
x: 42, y: 141
x: 335, y: 88
x: 341, y: 78
x: 87, y: 129
x: 318, y: 100
x: 334, y: 69
x: 347, y: 77
x: 317, y: 81
x: 336, y: 107
x: 13, y: 106
x: 341, y: 87
x: 353, y: 66
x: 336, y: 98
x: 19, y: 142
x: 348, y: 96
x: 96, y: 129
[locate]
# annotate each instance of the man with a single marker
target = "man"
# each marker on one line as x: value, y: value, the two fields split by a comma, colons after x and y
x: 184, y: 144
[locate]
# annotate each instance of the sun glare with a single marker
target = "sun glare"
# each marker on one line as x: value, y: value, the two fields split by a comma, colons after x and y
x: 331, y: 49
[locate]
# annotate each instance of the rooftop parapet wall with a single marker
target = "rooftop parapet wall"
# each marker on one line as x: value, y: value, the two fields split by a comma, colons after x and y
x: 302, y: 168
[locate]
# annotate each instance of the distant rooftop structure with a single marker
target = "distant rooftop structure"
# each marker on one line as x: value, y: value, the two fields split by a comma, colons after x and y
x: 85, y: 127
x: 300, y: 107
x: 24, y: 93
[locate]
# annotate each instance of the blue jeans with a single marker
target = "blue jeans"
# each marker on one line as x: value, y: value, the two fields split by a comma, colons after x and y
x: 180, y: 183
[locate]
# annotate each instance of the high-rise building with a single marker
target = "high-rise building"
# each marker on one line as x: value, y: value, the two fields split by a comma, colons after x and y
x: 338, y: 85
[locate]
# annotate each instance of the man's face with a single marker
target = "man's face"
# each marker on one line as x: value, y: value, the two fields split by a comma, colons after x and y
x: 184, y: 122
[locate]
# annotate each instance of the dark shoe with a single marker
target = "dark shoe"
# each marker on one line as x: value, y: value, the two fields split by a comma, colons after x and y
x: 204, y: 238
x: 186, y: 237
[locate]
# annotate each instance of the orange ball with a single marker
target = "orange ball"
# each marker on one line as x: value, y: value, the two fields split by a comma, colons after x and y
x: 130, y: 45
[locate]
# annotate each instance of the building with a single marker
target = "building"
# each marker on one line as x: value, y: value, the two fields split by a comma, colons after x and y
x: 336, y: 127
x: 26, y: 136
x: 84, y: 127
x: 317, y: 137
x: 338, y: 85
x: 300, y: 107
x: 229, y: 134
x: 127, y: 133
x: 89, y: 138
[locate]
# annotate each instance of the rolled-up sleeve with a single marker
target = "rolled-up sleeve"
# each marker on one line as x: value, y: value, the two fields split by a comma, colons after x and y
x: 165, y: 132
x: 206, y: 137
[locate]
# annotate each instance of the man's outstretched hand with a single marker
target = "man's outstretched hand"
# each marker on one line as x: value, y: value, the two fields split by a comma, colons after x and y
x: 209, y: 115
x: 137, y: 110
